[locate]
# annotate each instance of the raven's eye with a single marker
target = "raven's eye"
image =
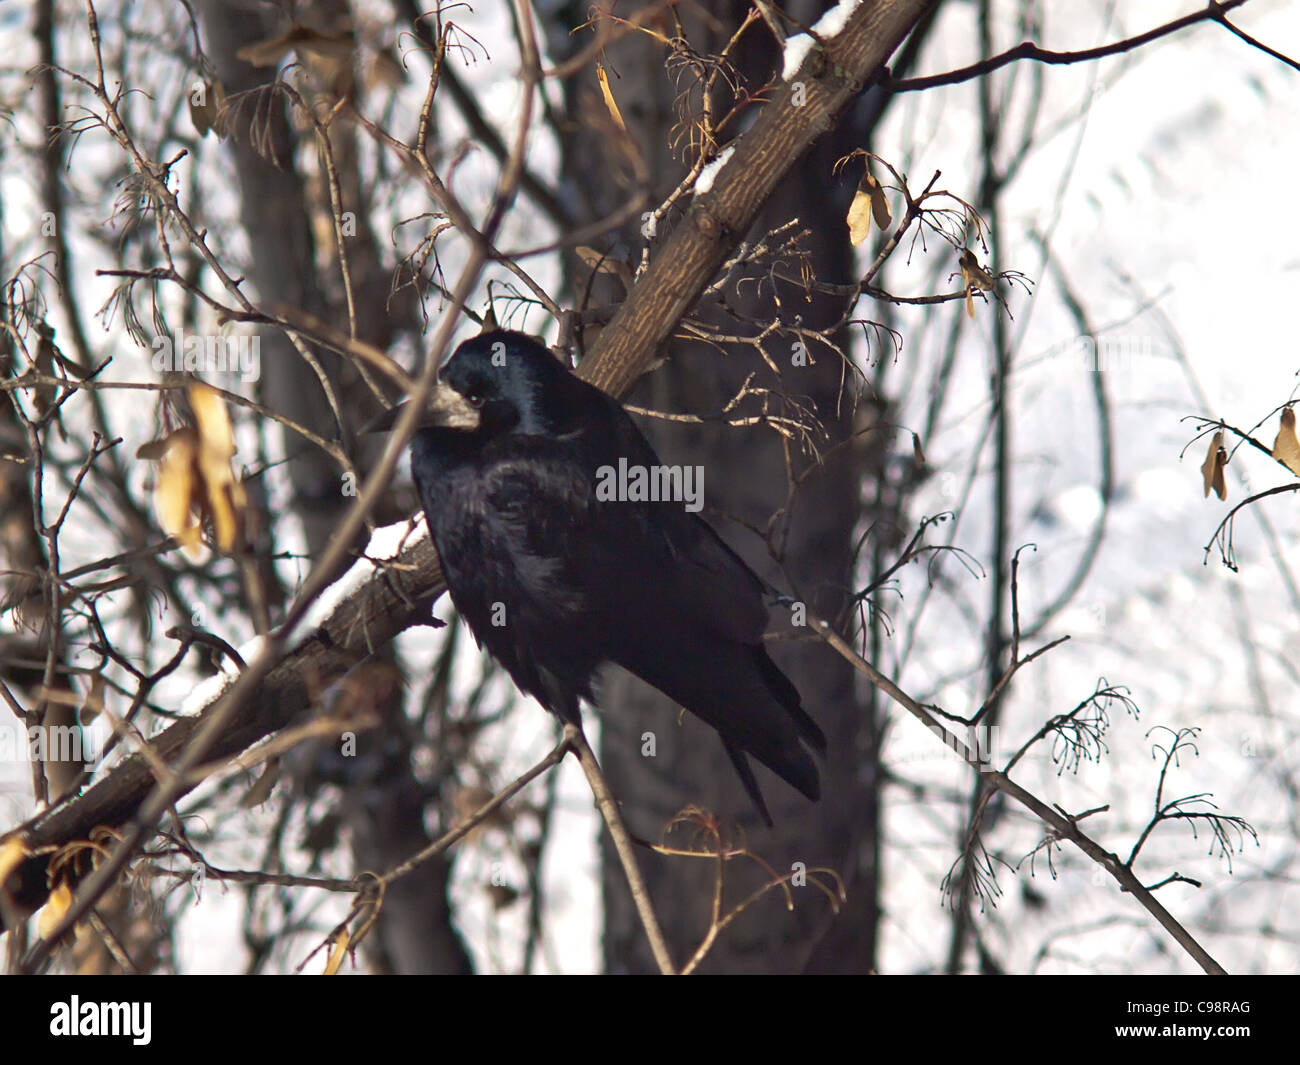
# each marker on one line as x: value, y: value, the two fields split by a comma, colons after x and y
x: 475, y: 398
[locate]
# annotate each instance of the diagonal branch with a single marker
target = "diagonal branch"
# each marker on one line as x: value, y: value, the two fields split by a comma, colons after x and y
x: 1061, y: 825
x: 1214, y: 11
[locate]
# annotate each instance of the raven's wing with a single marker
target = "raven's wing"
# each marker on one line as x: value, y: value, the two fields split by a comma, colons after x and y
x: 693, y: 565
x: 685, y: 613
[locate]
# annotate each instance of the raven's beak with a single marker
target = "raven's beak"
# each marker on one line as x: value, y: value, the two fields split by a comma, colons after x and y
x: 446, y: 408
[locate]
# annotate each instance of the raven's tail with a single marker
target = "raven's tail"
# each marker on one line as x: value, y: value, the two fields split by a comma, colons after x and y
x: 740, y: 691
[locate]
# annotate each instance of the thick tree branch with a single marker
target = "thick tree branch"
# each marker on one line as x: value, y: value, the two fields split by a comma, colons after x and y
x: 799, y: 112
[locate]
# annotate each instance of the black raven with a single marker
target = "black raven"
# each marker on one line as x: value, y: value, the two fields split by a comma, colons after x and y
x: 555, y: 578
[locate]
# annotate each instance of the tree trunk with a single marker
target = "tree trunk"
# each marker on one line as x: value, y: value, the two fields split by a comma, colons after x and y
x: 384, y: 805
x: 745, y: 476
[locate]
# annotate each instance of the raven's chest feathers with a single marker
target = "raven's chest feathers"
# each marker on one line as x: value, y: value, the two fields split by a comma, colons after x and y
x: 510, y: 520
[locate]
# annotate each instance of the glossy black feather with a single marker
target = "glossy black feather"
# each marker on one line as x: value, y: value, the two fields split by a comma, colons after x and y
x: 554, y: 582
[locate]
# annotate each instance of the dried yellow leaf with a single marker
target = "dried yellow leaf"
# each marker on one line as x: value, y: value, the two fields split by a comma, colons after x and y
x: 1286, y: 448
x: 973, y: 277
x: 266, y: 53
x: 225, y: 498
x: 13, y: 852
x: 153, y: 450
x: 1212, y: 467
x: 263, y: 786
x: 176, y: 493
x: 880, y: 211
x: 597, y: 260
x: 610, y: 103
x: 385, y: 70
x: 52, y: 912
x: 305, y: 40
x: 338, y: 953
x: 208, y: 108
x: 859, y: 217
x: 604, y: 263
x: 93, y: 705
x: 195, y: 479
x: 869, y: 205
x: 47, y: 358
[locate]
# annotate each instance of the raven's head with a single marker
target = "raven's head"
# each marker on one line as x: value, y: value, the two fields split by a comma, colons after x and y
x: 498, y: 382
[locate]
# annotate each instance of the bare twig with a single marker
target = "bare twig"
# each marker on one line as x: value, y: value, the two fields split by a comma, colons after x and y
x: 1061, y: 825
x: 608, y: 807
